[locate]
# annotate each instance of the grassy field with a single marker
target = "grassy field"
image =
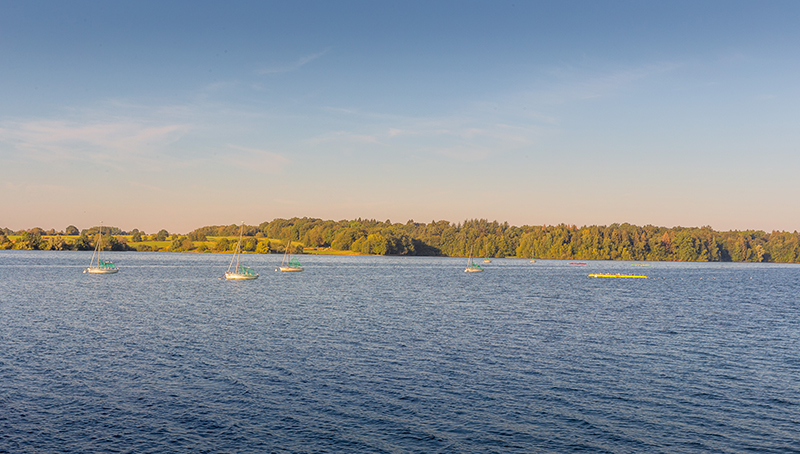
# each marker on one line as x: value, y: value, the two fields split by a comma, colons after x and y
x: 207, y: 246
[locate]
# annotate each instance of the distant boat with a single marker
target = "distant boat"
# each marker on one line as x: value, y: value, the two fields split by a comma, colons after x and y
x: 487, y: 260
x: 239, y: 272
x: 472, y: 267
x: 289, y: 263
x: 533, y: 254
x: 102, y: 266
x: 577, y: 263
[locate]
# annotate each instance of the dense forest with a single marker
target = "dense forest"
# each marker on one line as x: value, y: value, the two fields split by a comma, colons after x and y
x: 479, y: 238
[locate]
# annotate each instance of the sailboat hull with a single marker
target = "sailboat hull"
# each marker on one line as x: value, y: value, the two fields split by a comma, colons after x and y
x: 473, y: 270
x: 92, y: 270
x: 288, y: 269
x: 240, y: 277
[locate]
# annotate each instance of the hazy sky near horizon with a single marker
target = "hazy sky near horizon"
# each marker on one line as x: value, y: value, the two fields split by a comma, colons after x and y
x: 177, y: 115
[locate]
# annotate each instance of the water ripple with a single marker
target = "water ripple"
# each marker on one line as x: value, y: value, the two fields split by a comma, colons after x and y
x: 375, y: 354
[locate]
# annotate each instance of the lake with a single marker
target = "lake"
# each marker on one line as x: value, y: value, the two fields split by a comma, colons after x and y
x: 396, y: 355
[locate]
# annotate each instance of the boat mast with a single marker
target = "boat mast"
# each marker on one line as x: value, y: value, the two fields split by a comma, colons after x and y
x: 236, y: 251
x: 286, y: 251
x: 97, y: 248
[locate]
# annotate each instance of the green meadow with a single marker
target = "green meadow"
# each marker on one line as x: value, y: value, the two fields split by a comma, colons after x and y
x: 219, y: 244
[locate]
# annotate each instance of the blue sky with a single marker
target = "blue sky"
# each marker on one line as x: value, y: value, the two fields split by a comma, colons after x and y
x: 177, y: 115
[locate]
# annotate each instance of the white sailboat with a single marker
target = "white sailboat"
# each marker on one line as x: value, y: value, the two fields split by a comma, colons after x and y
x: 239, y: 272
x: 472, y: 267
x: 289, y: 263
x: 101, y: 266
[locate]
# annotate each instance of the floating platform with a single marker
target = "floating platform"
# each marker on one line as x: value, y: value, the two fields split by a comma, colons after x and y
x: 625, y: 276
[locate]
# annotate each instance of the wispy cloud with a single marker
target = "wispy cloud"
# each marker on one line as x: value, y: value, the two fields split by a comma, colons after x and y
x: 578, y: 83
x: 293, y: 66
x: 475, y: 143
x: 465, y: 152
x: 346, y: 137
x: 111, y: 143
x: 394, y: 132
x: 255, y: 159
x: 467, y: 139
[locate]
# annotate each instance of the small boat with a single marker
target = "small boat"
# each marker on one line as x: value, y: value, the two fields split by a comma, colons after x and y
x: 239, y: 272
x: 640, y: 264
x: 472, y: 267
x: 577, y: 263
x: 289, y: 263
x: 487, y: 260
x: 102, y: 266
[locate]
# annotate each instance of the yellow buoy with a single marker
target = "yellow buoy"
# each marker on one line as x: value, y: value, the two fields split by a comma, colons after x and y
x: 629, y: 276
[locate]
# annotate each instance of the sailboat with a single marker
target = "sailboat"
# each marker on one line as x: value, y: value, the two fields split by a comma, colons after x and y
x: 533, y: 254
x: 102, y: 266
x: 240, y: 272
x: 289, y: 263
x: 472, y: 267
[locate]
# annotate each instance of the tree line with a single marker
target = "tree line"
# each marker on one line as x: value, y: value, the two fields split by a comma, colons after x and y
x: 38, y: 239
x: 477, y: 237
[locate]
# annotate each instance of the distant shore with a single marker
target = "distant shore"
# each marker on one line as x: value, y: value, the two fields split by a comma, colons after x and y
x: 476, y: 238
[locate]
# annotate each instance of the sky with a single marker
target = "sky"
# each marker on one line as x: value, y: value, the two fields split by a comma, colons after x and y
x: 177, y: 115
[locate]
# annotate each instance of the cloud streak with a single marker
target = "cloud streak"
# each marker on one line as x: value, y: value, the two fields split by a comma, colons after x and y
x: 294, y: 66
x: 466, y: 138
x: 577, y: 85
x: 259, y: 160
x: 48, y: 140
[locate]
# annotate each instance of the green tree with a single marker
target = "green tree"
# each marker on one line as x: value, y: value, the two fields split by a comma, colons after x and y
x: 249, y: 244
x: 181, y: 243
x: 222, y: 245
x: 346, y: 238
x: 57, y: 243
x: 264, y: 247
x: 378, y: 244
x: 136, y: 237
x: 82, y: 243
x: 108, y: 243
x: 687, y: 248
x: 29, y: 241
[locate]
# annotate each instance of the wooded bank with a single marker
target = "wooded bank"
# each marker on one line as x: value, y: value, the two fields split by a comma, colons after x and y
x: 478, y: 237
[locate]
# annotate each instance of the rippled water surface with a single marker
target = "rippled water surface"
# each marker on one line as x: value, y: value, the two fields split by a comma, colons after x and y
x: 396, y: 355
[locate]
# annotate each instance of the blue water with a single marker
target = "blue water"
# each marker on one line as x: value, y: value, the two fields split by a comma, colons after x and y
x: 396, y: 355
